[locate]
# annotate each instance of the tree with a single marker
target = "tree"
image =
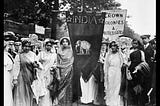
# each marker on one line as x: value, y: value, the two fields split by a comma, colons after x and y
x: 30, y: 11
x: 44, y: 12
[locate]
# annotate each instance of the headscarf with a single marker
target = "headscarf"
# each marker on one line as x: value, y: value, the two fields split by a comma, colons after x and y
x: 106, y: 64
x: 65, y: 54
x: 60, y: 41
x: 49, y: 41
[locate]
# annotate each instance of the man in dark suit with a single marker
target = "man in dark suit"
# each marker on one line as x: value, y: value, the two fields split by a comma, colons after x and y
x: 148, y: 50
x: 153, y: 83
x: 149, y: 54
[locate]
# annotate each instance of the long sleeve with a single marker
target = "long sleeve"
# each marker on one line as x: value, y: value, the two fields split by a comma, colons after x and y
x: 16, y: 67
x: 8, y: 64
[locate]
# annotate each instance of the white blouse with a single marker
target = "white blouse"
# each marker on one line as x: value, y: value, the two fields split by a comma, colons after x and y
x: 8, y: 63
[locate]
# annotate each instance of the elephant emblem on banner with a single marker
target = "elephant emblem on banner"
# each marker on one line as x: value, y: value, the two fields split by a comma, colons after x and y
x: 82, y: 47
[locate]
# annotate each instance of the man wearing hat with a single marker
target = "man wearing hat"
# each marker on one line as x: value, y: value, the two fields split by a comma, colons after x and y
x: 153, y: 93
x: 10, y: 38
x: 149, y: 52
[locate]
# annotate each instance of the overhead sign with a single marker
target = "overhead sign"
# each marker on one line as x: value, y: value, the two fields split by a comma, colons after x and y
x: 39, y: 29
x: 114, y: 23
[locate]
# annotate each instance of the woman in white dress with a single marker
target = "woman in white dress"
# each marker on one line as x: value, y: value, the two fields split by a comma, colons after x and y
x: 48, y: 60
x: 24, y: 74
x: 8, y: 65
x: 112, y: 76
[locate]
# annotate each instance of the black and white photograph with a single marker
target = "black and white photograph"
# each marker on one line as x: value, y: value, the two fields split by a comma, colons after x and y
x: 79, y: 53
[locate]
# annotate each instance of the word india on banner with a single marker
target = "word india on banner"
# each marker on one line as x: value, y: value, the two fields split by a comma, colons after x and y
x: 114, y: 23
x: 85, y: 31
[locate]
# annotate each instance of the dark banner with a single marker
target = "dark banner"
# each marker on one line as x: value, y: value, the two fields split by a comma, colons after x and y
x: 85, y: 31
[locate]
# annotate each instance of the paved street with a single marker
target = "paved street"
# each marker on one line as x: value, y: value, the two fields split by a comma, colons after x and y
x: 79, y: 104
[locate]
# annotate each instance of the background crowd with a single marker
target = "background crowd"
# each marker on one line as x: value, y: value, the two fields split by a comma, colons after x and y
x: 39, y: 73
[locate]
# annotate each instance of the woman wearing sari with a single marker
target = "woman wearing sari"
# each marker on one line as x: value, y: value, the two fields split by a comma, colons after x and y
x: 24, y: 74
x: 112, y: 76
x: 64, y: 63
x: 49, y: 60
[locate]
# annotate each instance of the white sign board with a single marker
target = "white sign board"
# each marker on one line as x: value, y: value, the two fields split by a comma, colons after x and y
x: 114, y: 23
x: 39, y: 29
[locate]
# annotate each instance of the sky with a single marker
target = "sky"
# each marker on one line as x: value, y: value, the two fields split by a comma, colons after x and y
x: 142, y: 15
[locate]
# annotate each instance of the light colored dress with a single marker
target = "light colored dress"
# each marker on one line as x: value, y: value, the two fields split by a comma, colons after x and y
x: 23, y: 71
x: 48, y: 60
x: 8, y: 65
x: 89, y: 90
x: 112, y: 79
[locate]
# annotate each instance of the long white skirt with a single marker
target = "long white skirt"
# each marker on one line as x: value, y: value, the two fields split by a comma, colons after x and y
x: 8, y: 99
x: 89, y: 90
x: 45, y: 100
x: 112, y: 88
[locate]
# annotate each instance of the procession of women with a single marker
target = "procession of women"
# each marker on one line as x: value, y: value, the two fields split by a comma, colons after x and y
x: 40, y: 74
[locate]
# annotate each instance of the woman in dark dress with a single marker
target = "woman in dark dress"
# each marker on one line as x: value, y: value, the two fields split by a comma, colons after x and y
x: 136, y: 84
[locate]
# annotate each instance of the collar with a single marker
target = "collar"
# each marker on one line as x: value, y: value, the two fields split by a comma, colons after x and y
x: 9, y: 55
x: 146, y: 45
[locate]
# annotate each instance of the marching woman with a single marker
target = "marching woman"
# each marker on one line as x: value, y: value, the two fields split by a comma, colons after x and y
x: 112, y: 76
x: 136, y: 75
x: 49, y: 60
x: 8, y: 66
x: 24, y: 74
x: 64, y: 64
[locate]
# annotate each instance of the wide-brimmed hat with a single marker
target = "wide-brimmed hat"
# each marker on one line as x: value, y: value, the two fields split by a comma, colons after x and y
x: 10, y: 36
x: 145, y: 36
x: 26, y: 41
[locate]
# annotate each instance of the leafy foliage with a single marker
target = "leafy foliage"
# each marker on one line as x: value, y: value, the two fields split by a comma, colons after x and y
x: 31, y: 11
x: 40, y: 11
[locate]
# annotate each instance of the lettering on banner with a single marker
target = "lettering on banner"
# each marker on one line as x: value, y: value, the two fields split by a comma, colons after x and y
x: 85, y: 19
